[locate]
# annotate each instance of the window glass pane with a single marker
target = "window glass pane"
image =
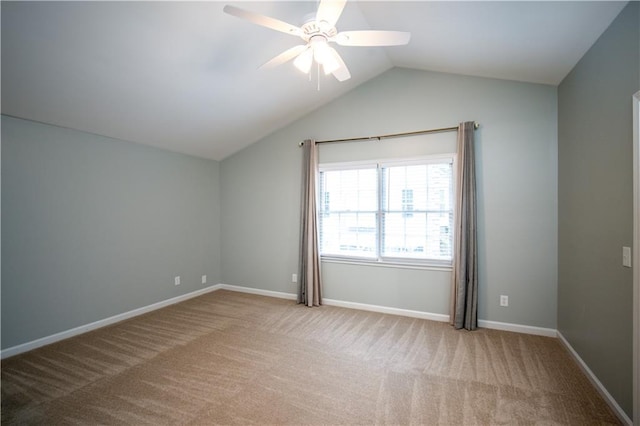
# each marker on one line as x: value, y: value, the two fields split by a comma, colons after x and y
x: 402, y: 183
x: 416, y: 211
x: 419, y: 236
x: 430, y: 185
x: 348, y: 208
x: 350, y: 190
x: 439, y: 186
x: 404, y: 236
x: 439, y: 241
x: 348, y: 234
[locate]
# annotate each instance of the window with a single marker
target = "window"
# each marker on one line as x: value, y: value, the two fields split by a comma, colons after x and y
x: 388, y: 212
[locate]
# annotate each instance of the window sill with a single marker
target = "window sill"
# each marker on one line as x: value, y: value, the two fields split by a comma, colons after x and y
x: 388, y: 264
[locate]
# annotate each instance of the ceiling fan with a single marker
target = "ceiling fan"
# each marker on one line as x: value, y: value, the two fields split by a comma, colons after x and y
x: 317, y: 33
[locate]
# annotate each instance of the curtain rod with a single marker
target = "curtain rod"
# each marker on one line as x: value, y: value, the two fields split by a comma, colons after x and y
x: 476, y: 125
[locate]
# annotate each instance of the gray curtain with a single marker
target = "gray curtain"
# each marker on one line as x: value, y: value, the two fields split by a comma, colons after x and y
x: 464, y: 279
x: 310, y: 290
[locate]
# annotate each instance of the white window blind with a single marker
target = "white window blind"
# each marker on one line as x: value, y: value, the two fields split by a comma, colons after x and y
x: 349, y: 209
x: 395, y: 212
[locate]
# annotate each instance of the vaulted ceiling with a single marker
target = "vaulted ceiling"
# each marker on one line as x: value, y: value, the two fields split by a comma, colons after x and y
x: 184, y: 76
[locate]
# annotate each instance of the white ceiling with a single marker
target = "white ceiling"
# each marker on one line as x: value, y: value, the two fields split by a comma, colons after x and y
x: 183, y: 75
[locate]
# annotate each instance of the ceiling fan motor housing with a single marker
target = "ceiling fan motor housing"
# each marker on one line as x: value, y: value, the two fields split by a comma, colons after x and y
x: 318, y: 28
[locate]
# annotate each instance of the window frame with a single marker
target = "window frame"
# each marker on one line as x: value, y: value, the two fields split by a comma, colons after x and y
x: 379, y: 259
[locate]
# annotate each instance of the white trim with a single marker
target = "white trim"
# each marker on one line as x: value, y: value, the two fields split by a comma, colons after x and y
x: 15, y: 350
x: 420, y: 160
x: 594, y: 380
x: 518, y: 328
x: 636, y: 258
x: 258, y: 291
x: 430, y: 266
x: 341, y: 303
x: 348, y: 165
x: 389, y: 162
x: 386, y: 310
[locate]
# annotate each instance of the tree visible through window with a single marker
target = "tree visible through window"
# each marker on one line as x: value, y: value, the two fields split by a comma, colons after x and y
x: 388, y: 212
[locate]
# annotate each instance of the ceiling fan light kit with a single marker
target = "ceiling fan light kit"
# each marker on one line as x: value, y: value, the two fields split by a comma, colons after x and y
x: 317, y: 32
x: 304, y: 61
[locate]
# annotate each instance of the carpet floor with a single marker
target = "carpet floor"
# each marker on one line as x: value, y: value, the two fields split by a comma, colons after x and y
x: 234, y: 358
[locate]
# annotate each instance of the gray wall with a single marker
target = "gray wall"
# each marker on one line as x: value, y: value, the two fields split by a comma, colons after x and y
x: 93, y: 227
x: 517, y: 184
x: 595, y: 189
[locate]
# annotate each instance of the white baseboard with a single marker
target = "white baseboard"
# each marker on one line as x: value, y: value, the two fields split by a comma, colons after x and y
x: 258, y: 291
x: 594, y: 380
x: 518, y: 328
x: 15, y: 350
x: 340, y: 303
x: 18, y: 349
x: 387, y: 310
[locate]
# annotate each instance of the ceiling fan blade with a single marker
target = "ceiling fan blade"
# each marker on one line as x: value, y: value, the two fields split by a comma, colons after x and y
x: 330, y: 11
x: 372, y: 38
x: 341, y: 72
x: 262, y: 20
x: 285, y: 56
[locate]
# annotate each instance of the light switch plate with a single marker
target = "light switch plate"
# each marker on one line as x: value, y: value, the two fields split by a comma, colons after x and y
x: 626, y: 257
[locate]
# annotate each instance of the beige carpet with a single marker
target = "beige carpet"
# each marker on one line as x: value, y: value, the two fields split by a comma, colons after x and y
x: 233, y: 358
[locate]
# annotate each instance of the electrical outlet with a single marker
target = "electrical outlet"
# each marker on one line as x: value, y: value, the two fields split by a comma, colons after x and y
x: 294, y: 278
x: 204, y: 279
x: 176, y: 281
x: 504, y: 300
